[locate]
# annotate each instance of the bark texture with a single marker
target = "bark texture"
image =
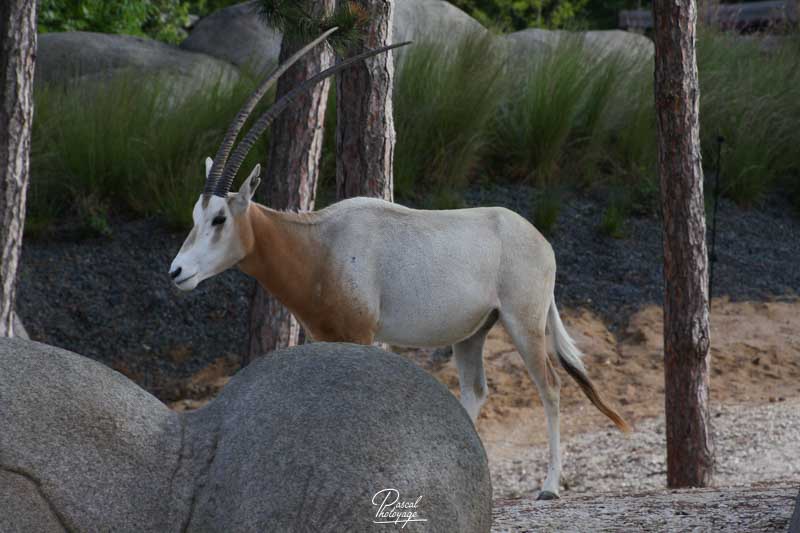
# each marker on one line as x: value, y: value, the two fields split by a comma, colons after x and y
x: 365, y: 133
x: 690, y: 457
x: 290, y: 182
x: 17, y: 59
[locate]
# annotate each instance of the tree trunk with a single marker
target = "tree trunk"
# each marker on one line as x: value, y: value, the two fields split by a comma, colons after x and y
x: 290, y: 182
x: 690, y: 458
x: 17, y: 57
x: 364, y: 121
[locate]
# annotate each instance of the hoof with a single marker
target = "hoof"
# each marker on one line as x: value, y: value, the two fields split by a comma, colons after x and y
x: 547, y: 495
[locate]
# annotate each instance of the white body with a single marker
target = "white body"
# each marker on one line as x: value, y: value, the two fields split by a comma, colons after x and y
x: 433, y: 277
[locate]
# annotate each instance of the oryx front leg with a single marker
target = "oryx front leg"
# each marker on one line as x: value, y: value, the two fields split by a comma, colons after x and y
x: 532, y: 345
x: 471, y: 378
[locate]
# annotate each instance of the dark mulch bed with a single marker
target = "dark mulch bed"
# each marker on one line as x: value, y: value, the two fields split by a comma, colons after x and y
x: 111, y: 299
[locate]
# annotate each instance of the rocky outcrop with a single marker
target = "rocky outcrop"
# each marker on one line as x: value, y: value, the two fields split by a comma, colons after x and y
x: 90, y: 56
x: 236, y: 34
x: 527, y: 43
x: 416, y: 20
x: 318, y: 437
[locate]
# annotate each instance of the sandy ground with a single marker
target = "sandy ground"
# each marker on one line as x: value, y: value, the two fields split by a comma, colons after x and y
x: 755, y: 403
x: 755, y: 377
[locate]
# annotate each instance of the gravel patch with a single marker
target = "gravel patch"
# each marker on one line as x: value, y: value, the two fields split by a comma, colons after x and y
x: 111, y: 298
x: 735, y: 510
x: 753, y: 444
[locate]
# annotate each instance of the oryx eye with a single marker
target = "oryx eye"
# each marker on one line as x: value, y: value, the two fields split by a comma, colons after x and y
x: 218, y: 220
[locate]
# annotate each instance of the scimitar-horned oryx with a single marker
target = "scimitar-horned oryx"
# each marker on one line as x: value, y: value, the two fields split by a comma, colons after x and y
x: 364, y: 269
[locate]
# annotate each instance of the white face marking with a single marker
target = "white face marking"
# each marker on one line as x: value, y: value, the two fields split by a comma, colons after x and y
x: 211, y: 247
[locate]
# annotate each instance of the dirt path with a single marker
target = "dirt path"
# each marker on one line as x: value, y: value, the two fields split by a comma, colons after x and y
x: 753, y: 444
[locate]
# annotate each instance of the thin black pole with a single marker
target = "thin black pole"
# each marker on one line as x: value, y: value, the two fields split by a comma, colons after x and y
x: 713, y: 255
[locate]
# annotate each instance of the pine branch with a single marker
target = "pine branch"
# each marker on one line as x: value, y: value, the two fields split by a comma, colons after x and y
x: 296, y: 20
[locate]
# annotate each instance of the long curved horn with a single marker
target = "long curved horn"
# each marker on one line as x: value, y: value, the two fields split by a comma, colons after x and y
x: 244, y: 113
x: 242, y: 149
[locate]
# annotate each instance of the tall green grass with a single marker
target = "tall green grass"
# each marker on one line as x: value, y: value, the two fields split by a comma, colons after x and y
x: 464, y: 112
x: 569, y: 112
x: 445, y: 97
x: 126, y: 144
x: 750, y: 95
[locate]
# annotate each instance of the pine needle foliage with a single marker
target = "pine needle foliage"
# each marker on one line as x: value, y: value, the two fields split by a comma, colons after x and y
x: 298, y: 20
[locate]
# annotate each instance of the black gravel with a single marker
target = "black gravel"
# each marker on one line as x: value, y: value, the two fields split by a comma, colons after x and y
x: 111, y: 299
x: 757, y: 253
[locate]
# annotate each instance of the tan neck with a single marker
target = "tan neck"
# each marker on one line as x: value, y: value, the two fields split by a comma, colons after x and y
x: 281, y: 254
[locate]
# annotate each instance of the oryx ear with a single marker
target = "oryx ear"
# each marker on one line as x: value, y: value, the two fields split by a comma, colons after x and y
x: 238, y: 202
x: 209, y: 164
x: 250, y: 185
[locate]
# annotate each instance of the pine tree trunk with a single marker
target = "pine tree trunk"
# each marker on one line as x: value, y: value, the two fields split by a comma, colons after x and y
x: 17, y: 57
x: 290, y: 182
x: 364, y: 121
x: 690, y: 458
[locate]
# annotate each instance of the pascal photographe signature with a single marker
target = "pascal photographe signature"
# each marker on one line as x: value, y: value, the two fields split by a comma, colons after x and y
x: 393, y: 510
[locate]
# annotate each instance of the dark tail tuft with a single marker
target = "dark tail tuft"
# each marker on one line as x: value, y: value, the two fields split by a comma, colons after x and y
x: 588, y: 389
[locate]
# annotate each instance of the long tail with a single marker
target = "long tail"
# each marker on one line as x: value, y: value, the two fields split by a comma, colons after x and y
x: 570, y: 358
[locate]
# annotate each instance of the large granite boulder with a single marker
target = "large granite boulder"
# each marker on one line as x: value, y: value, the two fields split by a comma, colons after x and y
x: 532, y: 42
x: 416, y: 20
x: 91, y: 56
x: 315, y: 438
x: 236, y: 34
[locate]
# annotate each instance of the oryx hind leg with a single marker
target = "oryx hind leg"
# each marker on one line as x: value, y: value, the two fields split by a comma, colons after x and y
x: 471, y: 377
x: 531, y: 342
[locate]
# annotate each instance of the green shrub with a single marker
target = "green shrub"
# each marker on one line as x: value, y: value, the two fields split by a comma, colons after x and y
x: 616, y: 212
x: 134, y: 146
x: 510, y: 15
x: 164, y: 20
x: 546, y: 209
x: 613, y: 222
x: 444, y: 100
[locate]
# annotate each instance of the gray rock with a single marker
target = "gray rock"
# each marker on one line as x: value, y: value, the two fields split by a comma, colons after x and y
x: 91, y: 56
x: 237, y: 35
x: 633, y: 45
x: 23, y: 506
x: 101, y: 451
x: 19, y: 328
x: 416, y: 20
x: 536, y: 41
x: 300, y: 440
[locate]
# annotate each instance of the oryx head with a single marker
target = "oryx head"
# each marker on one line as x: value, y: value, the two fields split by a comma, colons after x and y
x: 219, y: 238
x: 216, y: 241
